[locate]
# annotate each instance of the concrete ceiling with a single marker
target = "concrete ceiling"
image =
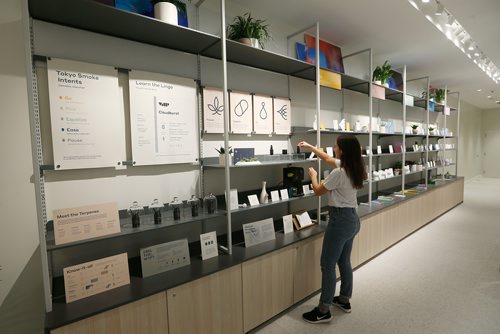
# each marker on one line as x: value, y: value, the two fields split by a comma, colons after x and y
x: 396, y: 31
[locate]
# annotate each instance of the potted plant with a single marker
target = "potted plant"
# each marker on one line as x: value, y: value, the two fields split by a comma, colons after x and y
x: 431, y: 130
x: 414, y: 128
x: 222, y: 155
x: 248, y: 30
x: 166, y: 10
x: 382, y: 74
x: 439, y: 94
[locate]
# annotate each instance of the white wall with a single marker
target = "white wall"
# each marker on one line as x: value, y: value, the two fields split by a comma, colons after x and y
x: 491, y: 142
x: 470, y: 160
x: 20, y: 284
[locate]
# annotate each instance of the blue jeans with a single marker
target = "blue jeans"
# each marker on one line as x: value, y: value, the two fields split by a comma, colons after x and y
x: 337, y: 246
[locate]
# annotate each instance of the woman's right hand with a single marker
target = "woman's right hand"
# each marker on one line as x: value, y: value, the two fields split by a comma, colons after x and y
x: 304, y: 144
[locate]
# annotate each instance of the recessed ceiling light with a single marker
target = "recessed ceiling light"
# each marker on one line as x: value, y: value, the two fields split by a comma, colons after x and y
x: 440, y: 9
x: 489, y: 96
x: 476, y: 54
x: 479, y: 90
x: 425, y: 1
x: 471, y: 47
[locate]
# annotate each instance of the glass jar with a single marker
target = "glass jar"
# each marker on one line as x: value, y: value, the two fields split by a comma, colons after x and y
x: 176, y: 206
x: 194, y: 205
x: 156, y: 206
x: 135, y: 209
x: 210, y: 204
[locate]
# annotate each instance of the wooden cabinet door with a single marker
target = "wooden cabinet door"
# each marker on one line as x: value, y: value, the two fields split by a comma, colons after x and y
x: 212, y: 304
x: 148, y: 316
x: 307, y: 270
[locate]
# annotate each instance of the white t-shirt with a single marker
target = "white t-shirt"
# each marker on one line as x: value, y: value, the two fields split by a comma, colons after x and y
x: 341, y: 193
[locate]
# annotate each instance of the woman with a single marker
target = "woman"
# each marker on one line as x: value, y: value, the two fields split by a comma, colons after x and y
x: 341, y: 185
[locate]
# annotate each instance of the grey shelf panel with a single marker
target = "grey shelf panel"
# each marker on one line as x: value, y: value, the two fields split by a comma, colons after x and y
x: 263, y: 164
x: 147, y: 225
x: 99, y: 18
x: 382, y: 155
x: 308, y: 130
x: 291, y: 199
x: 242, y: 54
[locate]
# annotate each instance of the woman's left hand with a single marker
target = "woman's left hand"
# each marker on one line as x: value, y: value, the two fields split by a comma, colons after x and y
x: 312, y: 173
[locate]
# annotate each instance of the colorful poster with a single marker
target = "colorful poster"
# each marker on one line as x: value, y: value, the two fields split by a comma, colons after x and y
x: 85, y: 114
x: 90, y: 278
x: 213, y: 110
x: 163, y: 119
x: 262, y: 114
x: 282, y: 116
x: 85, y: 222
x: 240, y: 106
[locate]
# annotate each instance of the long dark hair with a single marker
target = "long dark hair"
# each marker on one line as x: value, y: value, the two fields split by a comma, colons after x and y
x: 351, y: 159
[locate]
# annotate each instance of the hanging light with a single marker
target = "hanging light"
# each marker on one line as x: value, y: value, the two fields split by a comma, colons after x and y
x: 440, y: 9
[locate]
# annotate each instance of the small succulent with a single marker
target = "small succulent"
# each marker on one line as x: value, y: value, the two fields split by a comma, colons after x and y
x: 222, y: 150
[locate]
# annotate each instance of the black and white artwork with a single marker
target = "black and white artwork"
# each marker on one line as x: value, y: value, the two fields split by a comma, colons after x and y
x: 240, y: 105
x: 262, y: 114
x: 282, y: 115
x: 213, y: 110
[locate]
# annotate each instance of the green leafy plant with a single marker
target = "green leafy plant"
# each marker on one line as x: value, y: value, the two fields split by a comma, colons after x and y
x: 431, y: 129
x: 414, y: 126
x: 439, y: 94
x: 177, y: 3
x: 249, y: 159
x: 382, y: 73
x: 248, y: 27
x: 222, y: 150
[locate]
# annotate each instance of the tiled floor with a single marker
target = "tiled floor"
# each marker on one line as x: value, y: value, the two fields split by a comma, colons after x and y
x: 444, y: 278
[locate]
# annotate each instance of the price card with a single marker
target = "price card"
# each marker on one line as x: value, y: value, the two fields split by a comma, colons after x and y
x: 284, y: 194
x: 287, y: 224
x: 379, y: 149
x: 258, y: 232
x: 254, y: 201
x: 209, y: 245
x: 391, y: 149
x: 305, y: 189
x: 275, y: 196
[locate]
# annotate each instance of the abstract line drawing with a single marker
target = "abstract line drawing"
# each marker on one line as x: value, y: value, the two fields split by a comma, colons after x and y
x: 263, y: 111
x: 216, y: 108
x: 282, y: 111
x: 241, y: 108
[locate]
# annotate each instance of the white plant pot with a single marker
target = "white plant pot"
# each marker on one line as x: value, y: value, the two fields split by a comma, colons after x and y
x: 222, y: 160
x: 414, y: 131
x: 166, y: 12
x: 253, y: 42
x: 378, y: 82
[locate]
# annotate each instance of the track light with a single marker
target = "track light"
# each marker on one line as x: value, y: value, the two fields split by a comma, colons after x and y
x: 450, y: 21
x: 425, y: 1
x: 440, y: 9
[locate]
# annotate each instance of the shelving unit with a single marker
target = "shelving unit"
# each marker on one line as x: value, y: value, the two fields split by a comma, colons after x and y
x: 133, y: 27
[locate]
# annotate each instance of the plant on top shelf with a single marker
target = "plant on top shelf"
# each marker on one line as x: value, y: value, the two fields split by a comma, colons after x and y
x: 439, y: 94
x: 431, y: 130
x: 414, y: 128
x: 167, y: 10
x: 222, y: 150
x: 248, y: 30
x: 382, y: 74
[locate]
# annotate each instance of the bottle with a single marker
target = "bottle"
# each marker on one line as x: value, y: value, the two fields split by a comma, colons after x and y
x: 194, y: 204
x: 271, y: 151
x: 176, y: 208
x: 210, y: 204
x: 156, y: 206
x: 263, y: 194
x: 135, y: 209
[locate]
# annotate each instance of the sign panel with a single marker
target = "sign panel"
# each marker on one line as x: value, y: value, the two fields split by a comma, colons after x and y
x: 81, y: 223
x: 258, y: 232
x: 162, y: 118
x: 209, y: 245
x: 213, y: 110
x: 262, y: 114
x: 164, y: 257
x: 240, y: 106
x: 90, y: 278
x: 282, y: 114
x: 84, y: 101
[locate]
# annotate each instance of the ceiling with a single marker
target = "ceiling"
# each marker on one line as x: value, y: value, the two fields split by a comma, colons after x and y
x: 396, y: 31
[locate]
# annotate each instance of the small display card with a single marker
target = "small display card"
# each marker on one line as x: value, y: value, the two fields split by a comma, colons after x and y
x: 253, y: 200
x: 287, y: 224
x: 233, y: 199
x: 379, y: 149
x: 391, y: 149
x: 305, y: 189
x: 85, y: 222
x: 275, y: 196
x: 329, y: 151
x: 284, y: 194
x: 304, y: 219
x: 209, y: 245
x: 164, y: 257
x: 90, y: 278
x: 258, y: 232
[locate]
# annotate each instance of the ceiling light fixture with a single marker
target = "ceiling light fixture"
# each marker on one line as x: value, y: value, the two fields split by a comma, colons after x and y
x: 444, y: 21
x: 479, y: 90
x: 440, y: 9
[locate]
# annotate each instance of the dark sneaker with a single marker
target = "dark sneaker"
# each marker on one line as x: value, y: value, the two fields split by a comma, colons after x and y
x: 346, y: 307
x: 315, y: 316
